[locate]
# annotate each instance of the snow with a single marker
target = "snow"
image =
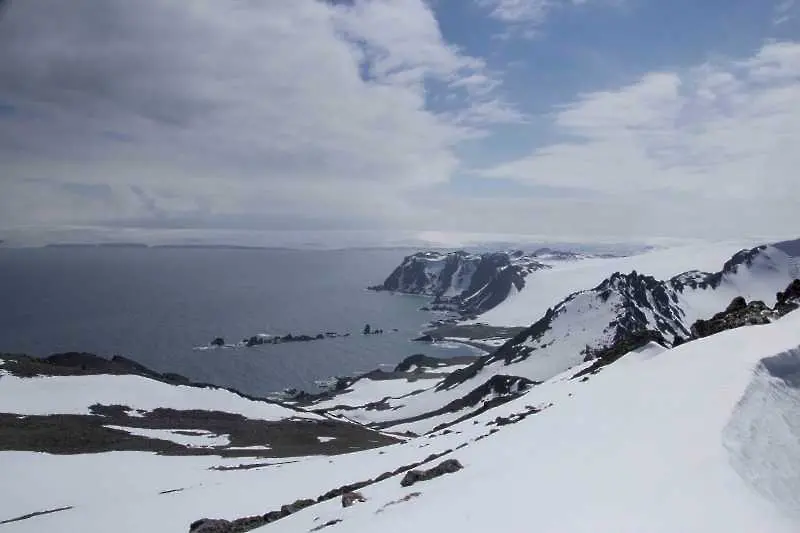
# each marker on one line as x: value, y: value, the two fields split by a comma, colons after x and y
x: 74, y: 394
x: 197, y: 438
x: 545, y: 288
x: 325, y: 439
x: 644, y: 446
x: 771, y: 272
x: 701, y: 438
x: 367, y: 390
x: 764, y: 430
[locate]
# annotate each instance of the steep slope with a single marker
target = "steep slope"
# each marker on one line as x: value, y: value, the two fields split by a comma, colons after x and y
x: 659, y: 442
x: 458, y: 281
x: 548, y: 287
x: 702, y: 437
x: 627, y: 450
x: 582, y: 325
x: 625, y: 303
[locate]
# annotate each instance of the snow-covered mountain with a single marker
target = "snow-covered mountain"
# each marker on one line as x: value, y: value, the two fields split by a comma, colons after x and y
x: 466, y: 283
x: 611, y: 412
x: 472, y: 284
x: 579, y: 327
x: 662, y: 440
x: 622, y: 304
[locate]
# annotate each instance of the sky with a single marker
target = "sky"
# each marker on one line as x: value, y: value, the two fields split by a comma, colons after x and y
x: 576, y: 119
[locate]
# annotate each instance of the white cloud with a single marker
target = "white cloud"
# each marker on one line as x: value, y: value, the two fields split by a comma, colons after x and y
x: 714, y: 139
x: 517, y: 11
x: 784, y: 11
x: 119, y: 109
x: 525, y: 17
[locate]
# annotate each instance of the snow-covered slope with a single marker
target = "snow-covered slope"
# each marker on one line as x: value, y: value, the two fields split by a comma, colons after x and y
x: 548, y: 287
x: 700, y: 438
x: 594, y: 319
x: 467, y: 283
x: 579, y: 327
x: 658, y: 442
x: 586, y: 421
x: 66, y: 413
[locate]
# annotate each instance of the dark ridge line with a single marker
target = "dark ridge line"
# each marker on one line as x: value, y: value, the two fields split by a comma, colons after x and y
x: 253, y: 522
x: 34, y: 515
x: 120, y: 365
x: 171, y: 491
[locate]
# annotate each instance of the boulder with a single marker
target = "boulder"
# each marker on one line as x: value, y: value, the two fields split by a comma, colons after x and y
x: 737, y: 304
x: 415, y: 476
x: 351, y: 498
x: 219, y: 341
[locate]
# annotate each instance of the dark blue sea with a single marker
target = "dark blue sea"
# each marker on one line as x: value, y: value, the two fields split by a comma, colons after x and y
x: 156, y: 305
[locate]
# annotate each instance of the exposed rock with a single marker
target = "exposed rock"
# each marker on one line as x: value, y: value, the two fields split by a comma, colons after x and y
x: 497, y: 390
x: 208, y: 525
x: 788, y: 300
x: 219, y: 341
x: 298, y: 505
x: 621, y: 347
x: 351, y: 498
x: 415, y: 476
x: 407, y: 497
x: 739, y: 313
x: 326, y: 524
x: 737, y: 304
x: 425, y: 338
x: 422, y: 361
x: 83, y: 364
x: 459, y: 282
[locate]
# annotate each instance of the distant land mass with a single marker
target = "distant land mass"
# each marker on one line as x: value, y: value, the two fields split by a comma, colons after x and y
x: 96, y: 245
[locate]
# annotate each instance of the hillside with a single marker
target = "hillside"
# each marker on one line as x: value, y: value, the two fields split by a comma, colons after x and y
x: 638, y: 404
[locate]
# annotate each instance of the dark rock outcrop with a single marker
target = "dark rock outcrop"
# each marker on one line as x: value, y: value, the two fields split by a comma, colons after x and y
x: 83, y: 364
x: 459, y: 282
x: 422, y: 361
x: 209, y: 525
x: 352, y: 498
x: 415, y: 476
x: 788, y: 300
x: 326, y: 524
x: 738, y: 313
x: 623, y: 346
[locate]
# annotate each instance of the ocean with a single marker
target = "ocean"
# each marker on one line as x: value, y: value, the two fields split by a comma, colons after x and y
x: 158, y: 305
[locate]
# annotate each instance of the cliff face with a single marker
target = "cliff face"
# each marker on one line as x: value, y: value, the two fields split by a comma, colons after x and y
x: 468, y: 284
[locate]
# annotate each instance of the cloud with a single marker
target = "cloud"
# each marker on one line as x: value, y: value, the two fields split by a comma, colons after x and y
x: 716, y: 140
x: 205, y: 109
x: 784, y: 11
x: 525, y: 17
